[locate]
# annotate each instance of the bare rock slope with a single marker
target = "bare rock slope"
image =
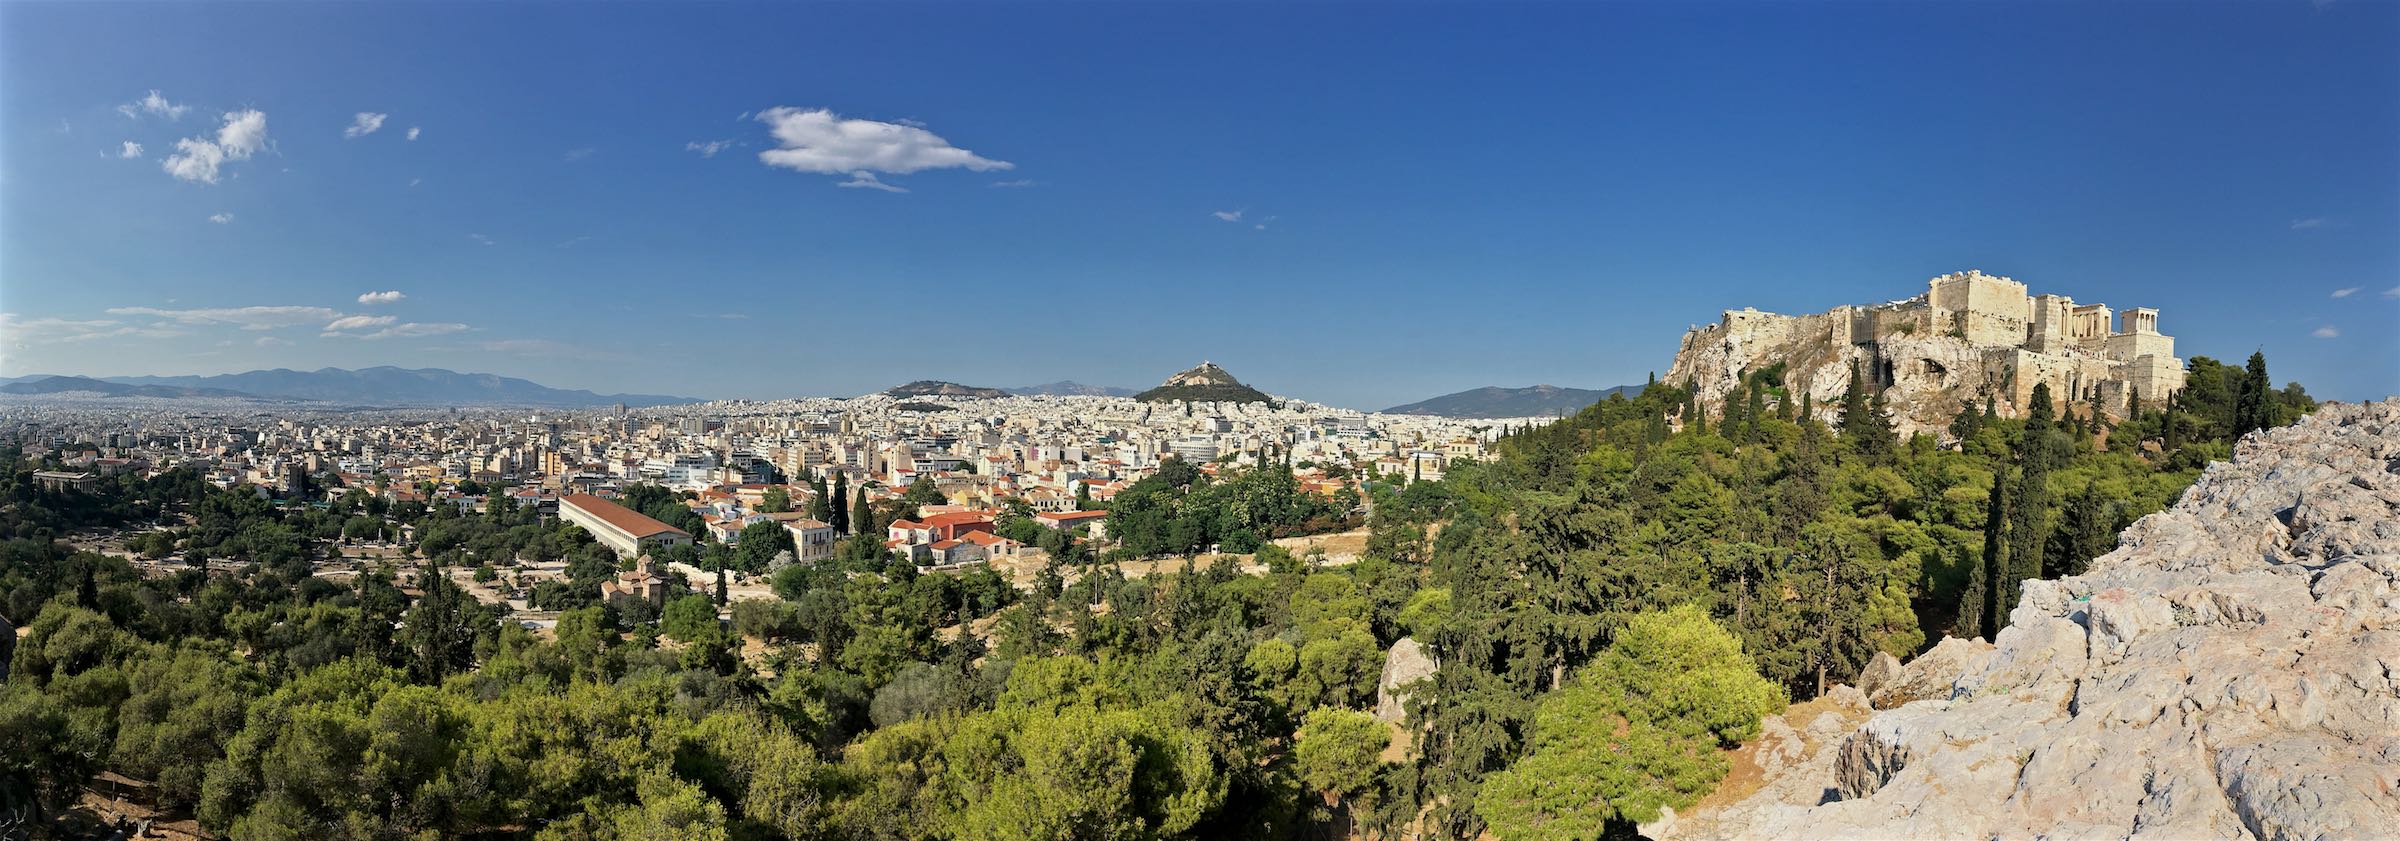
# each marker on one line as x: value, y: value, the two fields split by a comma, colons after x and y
x: 2233, y: 671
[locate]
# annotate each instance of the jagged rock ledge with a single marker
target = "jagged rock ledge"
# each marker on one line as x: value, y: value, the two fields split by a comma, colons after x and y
x: 2232, y: 671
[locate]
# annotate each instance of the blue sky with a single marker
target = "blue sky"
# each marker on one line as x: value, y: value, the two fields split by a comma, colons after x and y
x: 1429, y: 197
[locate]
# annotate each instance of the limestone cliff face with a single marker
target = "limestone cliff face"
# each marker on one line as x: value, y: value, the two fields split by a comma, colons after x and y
x: 1969, y: 337
x: 2233, y: 671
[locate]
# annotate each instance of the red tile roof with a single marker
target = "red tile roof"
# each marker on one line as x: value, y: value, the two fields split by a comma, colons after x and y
x: 626, y: 519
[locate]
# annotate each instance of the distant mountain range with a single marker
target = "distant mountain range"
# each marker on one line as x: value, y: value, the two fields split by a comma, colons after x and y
x: 384, y: 386
x: 938, y: 388
x: 1204, y: 382
x: 72, y: 385
x: 1069, y: 388
x: 1497, y: 402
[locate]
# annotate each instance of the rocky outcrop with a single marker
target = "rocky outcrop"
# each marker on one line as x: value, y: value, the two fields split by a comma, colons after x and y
x: 1408, y: 663
x: 1969, y: 338
x: 2233, y: 671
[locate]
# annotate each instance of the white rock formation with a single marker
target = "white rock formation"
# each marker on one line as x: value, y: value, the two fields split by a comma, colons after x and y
x: 1408, y: 663
x: 2232, y: 672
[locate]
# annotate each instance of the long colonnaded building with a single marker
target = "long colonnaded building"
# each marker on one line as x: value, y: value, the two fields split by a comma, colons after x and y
x: 617, y: 527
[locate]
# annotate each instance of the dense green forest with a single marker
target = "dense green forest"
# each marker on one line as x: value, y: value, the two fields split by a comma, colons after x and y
x: 1612, y: 599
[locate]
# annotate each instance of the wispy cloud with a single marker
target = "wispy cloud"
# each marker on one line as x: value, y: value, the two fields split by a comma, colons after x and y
x: 130, y: 150
x: 22, y: 333
x: 543, y: 348
x: 2306, y: 224
x: 480, y: 238
x: 819, y: 141
x: 2345, y: 292
x: 580, y: 154
x: 154, y: 105
x: 272, y: 341
x: 1021, y: 182
x: 412, y: 132
x: 198, y: 158
x: 2393, y: 292
x: 1228, y: 215
x: 358, y: 322
x: 222, y: 218
x: 2325, y: 332
x: 865, y: 179
x: 385, y: 297
x: 366, y: 123
x: 414, y: 329
x: 247, y: 318
x: 709, y: 148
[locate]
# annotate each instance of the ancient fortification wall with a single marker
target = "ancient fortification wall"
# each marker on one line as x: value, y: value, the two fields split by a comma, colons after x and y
x: 1968, y: 337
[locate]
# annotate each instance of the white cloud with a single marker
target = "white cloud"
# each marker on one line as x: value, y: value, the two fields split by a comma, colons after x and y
x: 1228, y: 215
x: 221, y: 218
x: 2345, y: 292
x: 131, y: 150
x: 154, y: 105
x: 359, y: 322
x: 480, y: 238
x: 412, y: 132
x: 415, y: 181
x: 384, y: 297
x: 271, y: 341
x: 581, y: 153
x: 198, y: 158
x: 247, y: 318
x: 817, y: 140
x: 1021, y: 182
x: 412, y: 330
x: 709, y: 149
x: 2393, y: 292
x: 366, y: 123
x: 863, y: 178
x: 2325, y: 332
x: 2305, y: 224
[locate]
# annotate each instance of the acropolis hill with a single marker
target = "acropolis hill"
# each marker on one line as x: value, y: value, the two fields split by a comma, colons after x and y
x: 1969, y: 336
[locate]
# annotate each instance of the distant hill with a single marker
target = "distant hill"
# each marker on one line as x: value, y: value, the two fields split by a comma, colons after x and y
x: 1497, y: 402
x: 1204, y: 382
x: 71, y: 385
x: 391, y: 386
x: 1069, y: 388
x: 937, y: 388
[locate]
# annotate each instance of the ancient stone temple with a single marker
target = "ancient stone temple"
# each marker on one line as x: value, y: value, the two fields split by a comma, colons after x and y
x: 1969, y: 337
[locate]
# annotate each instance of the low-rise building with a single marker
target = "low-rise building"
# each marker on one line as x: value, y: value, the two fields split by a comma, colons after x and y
x: 617, y: 527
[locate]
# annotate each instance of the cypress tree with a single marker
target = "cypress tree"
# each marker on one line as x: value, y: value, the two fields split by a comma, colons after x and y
x: 2030, y: 509
x: 2255, y: 407
x: 1999, y: 590
x: 1756, y: 409
x: 1971, y: 601
x: 862, y: 515
x: 841, y: 491
x: 2171, y: 429
x: 721, y: 583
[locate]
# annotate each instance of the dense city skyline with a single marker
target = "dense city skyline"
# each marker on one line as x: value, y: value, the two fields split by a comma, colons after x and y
x: 1351, y: 208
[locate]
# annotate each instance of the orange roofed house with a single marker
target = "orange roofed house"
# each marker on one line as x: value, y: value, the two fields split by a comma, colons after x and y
x: 617, y: 527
